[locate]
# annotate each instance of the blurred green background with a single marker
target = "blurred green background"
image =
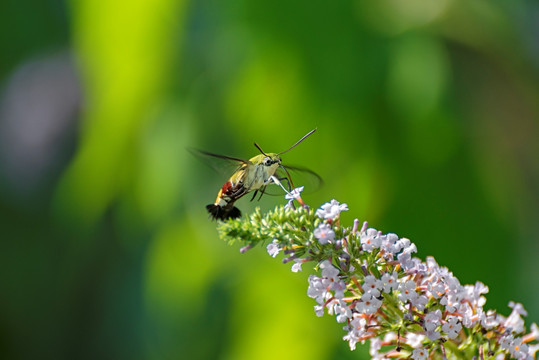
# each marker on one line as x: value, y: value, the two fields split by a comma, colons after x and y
x: 427, y: 115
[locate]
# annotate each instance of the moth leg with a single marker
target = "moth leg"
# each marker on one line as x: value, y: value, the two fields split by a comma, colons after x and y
x: 254, y: 195
x: 263, y: 189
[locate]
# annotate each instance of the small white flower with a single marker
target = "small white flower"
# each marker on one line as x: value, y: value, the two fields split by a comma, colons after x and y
x: 534, y: 331
x: 352, y: 339
x: 436, y: 288
x: 420, y: 302
x: 317, y: 290
x: 433, y: 320
x: 407, y: 290
x: 294, y: 194
x: 389, y: 242
x: 329, y: 271
x: 518, y: 349
x: 402, y: 243
x: 410, y: 247
x: 339, y: 308
x: 375, y: 346
x: 319, y: 310
x: 372, y: 285
x: 514, y: 321
x: 324, y: 234
x: 368, y: 304
x: 420, y: 354
x: 273, y: 248
x: 370, y: 240
x: 489, y: 319
x: 469, y: 319
x: 344, y: 313
x: 432, y: 264
x: 452, y: 327
x: 340, y: 288
x: 505, y: 341
x: 451, y: 302
x: 532, y: 349
x: 420, y: 267
x: 453, y: 284
x: 331, y: 210
x: 405, y: 259
x: 330, y: 279
x: 479, y: 289
x: 290, y: 205
x: 297, y: 265
x: 390, y: 281
x: 517, y: 307
x: 415, y: 340
x: 356, y: 329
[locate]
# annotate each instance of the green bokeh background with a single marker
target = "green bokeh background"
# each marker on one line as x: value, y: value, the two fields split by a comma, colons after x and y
x: 427, y: 115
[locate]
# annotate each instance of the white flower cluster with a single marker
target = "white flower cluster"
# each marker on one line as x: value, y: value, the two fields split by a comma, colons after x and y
x: 331, y: 210
x: 404, y: 306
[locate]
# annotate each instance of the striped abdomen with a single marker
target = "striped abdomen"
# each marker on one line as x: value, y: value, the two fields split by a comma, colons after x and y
x: 232, y: 190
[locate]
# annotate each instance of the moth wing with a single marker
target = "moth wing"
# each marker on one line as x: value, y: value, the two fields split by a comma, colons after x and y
x: 222, y: 164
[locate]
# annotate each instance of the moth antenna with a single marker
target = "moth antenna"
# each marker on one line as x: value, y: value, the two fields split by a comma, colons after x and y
x: 260, y: 149
x: 297, y: 143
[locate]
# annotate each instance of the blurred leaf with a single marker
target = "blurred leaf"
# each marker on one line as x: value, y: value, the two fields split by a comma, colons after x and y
x: 267, y: 96
x: 161, y: 174
x: 417, y: 76
x: 394, y: 17
x: 125, y: 57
